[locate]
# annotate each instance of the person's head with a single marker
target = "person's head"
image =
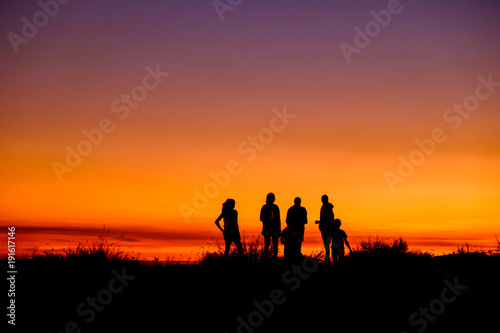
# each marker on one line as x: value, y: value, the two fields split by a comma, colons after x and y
x: 297, y: 201
x: 324, y: 198
x: 337, y: 223
x: 228, y: 205
x: 270, y: 198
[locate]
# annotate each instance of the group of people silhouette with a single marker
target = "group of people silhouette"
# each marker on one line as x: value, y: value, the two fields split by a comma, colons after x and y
x: 292, y: 235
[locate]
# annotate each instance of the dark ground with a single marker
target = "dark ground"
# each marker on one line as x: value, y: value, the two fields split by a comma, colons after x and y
x: 359, y: 295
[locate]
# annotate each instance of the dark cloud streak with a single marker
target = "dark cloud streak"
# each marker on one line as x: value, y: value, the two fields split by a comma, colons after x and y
x: 132, y: 234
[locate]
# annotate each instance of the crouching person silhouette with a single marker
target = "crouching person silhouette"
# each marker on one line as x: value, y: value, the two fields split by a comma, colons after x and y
x: 339, y: 237
x: 292, y: 241
x: 231, y: 230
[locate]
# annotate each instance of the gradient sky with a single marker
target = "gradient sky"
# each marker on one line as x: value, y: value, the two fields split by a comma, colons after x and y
x: 352, y: 120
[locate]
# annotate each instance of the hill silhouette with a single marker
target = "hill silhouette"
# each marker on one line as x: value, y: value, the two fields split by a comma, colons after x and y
x: 371, y: 290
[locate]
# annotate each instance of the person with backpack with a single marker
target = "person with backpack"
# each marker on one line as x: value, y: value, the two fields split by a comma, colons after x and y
x: 339, y: 237
x: 326, y: 218
x: 271, y: 225
x: 231, y: 230
x: 296, y: 219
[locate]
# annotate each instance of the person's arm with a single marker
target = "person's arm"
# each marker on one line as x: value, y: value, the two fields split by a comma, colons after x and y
x: 347, y: 243
x: 262, y: 213
x: 321, y: 215
x: 305, y: 216
x: 217, y: 223
x: 279, y: 218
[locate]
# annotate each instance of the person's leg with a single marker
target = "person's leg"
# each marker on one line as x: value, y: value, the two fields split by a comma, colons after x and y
x: 341, y: 254
x: 275, y: 245
x: 298, y: 252
x: 238, y: 244
x: 267, y: 243
x: 227, y: 244
x: 334, y: 255
x: 301, y: 240
x: 326, y: 243
x: 293, y: 250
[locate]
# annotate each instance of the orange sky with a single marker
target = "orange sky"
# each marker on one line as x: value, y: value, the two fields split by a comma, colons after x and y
x: 349, y: 123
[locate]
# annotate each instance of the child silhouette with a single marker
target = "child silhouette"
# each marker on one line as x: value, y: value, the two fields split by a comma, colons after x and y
x: 339, y: 237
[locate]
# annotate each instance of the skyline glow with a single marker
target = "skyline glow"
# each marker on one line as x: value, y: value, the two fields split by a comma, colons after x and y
x: 155, y: 99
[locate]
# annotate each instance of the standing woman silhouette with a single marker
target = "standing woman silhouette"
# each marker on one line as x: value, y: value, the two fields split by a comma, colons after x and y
x: 231, y: 230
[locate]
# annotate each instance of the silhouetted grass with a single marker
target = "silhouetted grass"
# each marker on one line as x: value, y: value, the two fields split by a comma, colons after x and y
x: 253, y: 251
x: 98, y: 249
x: 384, y: 247
x: 496, y: 252
x: 468, y: 249
x: 382, y: 282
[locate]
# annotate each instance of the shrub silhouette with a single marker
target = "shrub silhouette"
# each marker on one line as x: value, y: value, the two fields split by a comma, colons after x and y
x: 379, y: 246
x: 97, y: 249
x: 253, y: 251
x: 468, y: 249
x: 496, y: 252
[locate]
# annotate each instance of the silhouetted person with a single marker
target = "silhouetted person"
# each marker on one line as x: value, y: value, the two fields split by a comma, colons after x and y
x: 326, y: 218
x: 231, y: 230
x: 292, y: 241
x: 296, y: 219
x: 339, y: 237
x: 271, y: 225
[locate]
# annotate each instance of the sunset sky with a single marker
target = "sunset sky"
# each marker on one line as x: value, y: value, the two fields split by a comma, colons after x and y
x: 145, y: 116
